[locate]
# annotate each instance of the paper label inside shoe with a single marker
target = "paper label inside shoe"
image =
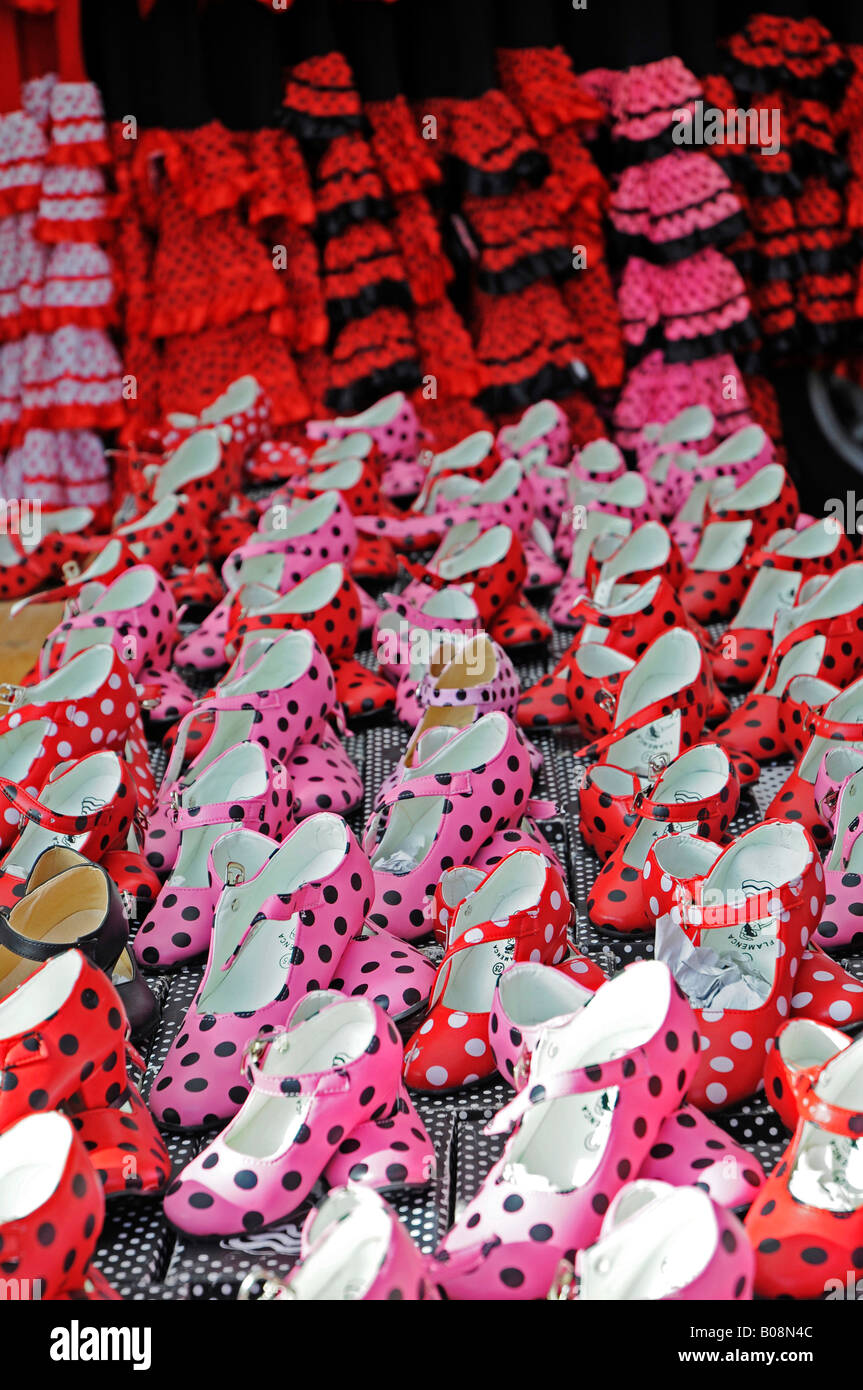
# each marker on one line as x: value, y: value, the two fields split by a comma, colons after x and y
x: 656, y: 745
x: 236, y: 873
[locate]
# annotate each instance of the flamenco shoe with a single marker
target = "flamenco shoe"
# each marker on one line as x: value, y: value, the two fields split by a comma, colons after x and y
x: 698, y: 792
x: 520, y: 911
x: 591, y: 475
x: 88, y: 805
x: 690, y: 427
x: 655, y: 712
x: 736, y: 458
x: 136, y: 615
x: 51, y: 1210
x: 661, y: 1243
x: 647, y: 551
x: 276, y: 935
x: 69, y: 903
x: 490, y: 564
x: 477, y: 678
x: 301, y: 1105
x: 353, y: 1248
x: 542, y: 424
x: 737, y: 523
x: 67, y: 1011
x: 800, y: 1050
x: 734, y: 937
x: 780, y: 569
x: 323, y: 778
x: 807, y: 1227
x: 392, y: 423
x: 394, y: 975
x: 842, y: 927
x: 602, y: 521
x: 243, y: 786
x: 473, y: 459
x: 810, y: 732
x: 446, y: 807
x: 599, y: 1086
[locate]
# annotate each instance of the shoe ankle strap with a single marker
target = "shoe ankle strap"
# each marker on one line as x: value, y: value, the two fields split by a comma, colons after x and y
x: 599, y: 1077
x: 834, y: 1118
x: 334, y: 1082
x: 31, y: 809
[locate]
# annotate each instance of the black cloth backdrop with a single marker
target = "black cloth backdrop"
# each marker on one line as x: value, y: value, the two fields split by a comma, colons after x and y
x: 188, y: 63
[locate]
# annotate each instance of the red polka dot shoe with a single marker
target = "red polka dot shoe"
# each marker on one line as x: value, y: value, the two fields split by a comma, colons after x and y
x: 36, y: 554
x: 277, y: 934
x: 506, y: 499
x: 104, y: 560
x: 807, y: 1226
x: 824, y: 991
x: 310, y: 1087
x: 780, y: 570
x: 736, y: 524
x: 136, y: 615
x: 519, y: 625
x: 733, y: 924
x: 625, y: 620
x: 440, y: 813
x: 489, y: 564
x: 810, y: 732
x: 62, y: 1035
x: 197, y: 469
x: 659, y: 709
x: 352, y: 1220
x: 88, y: 805
x: 52, y: 1210
x: 325, y: 602
x: 520, y: 911
x: 698, y: 792
x: 166, y: 536
x: 243, y: 786
x: 543, y: 571
x: 581, y: 1126
x: 800, y: 1049
x: 125, y: 1147
x: 661, y: 1242
x: 648, y: 551
x: 541, y: 424
x: 70, y: 902
x: 242, y: 412
x: 610, y: 518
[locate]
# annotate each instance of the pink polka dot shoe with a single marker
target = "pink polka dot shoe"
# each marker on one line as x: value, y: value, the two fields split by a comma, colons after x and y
x: 661, y: 1242
x: 738, y: 457
x: 354, y: 1247
x: 310, y: 1088
x: 136, y: 614
x: 506, y: 499
x: 597, y: 479
x: 692, y: 427
x: 323, y: 778
x: 543, y: 571
x: 279, y: 693
x: 842, y: 927
x: 542, y: 424
x: 465, y: 678
x: 276, y: 935
x: 689, y: 1146
x: 698, y: 792
x: 807, y: 1226
x: 444, y: 809
x: 242, y: 786
x: 392, y: 973
x: 313, y: 533
x: 408, y: 627
x: 519, y: 912
x: 733, y: 923
x: 607, y: 519
x: 599, y: 1087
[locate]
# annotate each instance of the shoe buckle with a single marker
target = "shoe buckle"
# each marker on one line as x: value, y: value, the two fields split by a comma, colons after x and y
x: 271, y: 1287
x: 605, y: 700
x: 71, y: 571
x: 176, y: 804
x: 563, y: 1284
x: 236, y: 873
x: 11, y: 695
x: 657, y: 763
x: 130, y: 905
x: 522, y: 1069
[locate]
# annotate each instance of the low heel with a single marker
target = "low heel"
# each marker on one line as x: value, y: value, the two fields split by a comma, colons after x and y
x: 388, y: 1154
